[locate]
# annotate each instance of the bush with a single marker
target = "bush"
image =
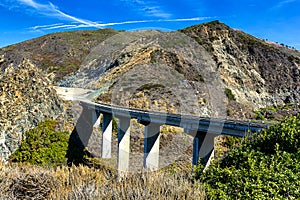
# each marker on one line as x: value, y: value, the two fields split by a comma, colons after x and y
x: 263, y: 166
x: 43, y: 145
x: 229, y: 94
x: 259, y: 115
x: 229, y: 112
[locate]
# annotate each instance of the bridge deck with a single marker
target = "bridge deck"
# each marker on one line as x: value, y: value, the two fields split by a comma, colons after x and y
x: 189, y: 122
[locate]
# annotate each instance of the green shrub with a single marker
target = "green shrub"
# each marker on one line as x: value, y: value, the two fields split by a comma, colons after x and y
x: 230, y: 141
x: 259, y: 115
x: 43, y: 145
x: 229, y: 94
x: 263, y: 166
x: 229, y: 112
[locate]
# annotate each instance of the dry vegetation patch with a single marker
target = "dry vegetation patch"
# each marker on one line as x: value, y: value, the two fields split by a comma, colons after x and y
x: 32, y: 182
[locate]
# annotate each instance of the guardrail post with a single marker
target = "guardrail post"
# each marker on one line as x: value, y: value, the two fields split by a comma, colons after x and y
x: 151, y: 146
x: 123, y: 145
x: 106, y: 135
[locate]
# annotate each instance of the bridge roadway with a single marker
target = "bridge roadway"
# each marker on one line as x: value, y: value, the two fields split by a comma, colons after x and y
x: 202, y: 129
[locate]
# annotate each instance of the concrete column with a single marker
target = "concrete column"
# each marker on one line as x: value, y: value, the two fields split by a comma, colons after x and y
x: 106, y: 135
x: 96, y: 119
x: 81, y: 134
x: 123, y: 146
x: 85, y: 123
x: 151, y: 146
x: 203, y: 148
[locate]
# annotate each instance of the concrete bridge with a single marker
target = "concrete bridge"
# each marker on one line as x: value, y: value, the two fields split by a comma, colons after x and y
x: 202, y: 129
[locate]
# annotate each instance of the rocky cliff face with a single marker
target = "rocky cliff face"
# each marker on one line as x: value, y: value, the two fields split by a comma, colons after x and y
x: 26, y: 98
x: 259, y: 73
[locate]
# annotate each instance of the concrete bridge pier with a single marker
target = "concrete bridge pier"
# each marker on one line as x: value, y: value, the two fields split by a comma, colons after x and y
x: 106, y: 135
x: 96, y: 119
x: 84, y: 127
x: 203, y: 147
x: 151, y: 146
x: 123, y: 146
x: 81, y: 134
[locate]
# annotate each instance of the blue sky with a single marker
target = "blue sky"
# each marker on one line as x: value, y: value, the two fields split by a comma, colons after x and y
x: 275, y: 20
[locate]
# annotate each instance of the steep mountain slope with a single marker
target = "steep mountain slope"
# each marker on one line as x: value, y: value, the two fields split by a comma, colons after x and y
x: 28, y: 70
x: 252, y: 72
x: 153, y: 70
x: 258, y: 73
x: 60, y: 53
x: 26, y: 98
x: 137, y: 68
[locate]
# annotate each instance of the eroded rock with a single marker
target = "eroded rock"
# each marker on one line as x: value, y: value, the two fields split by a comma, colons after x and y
x: 26, y: 98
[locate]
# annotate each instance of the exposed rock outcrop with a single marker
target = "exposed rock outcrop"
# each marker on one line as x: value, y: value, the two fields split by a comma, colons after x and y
x: 26, y: 98
x: 259, y: 73
x: 256, y: 72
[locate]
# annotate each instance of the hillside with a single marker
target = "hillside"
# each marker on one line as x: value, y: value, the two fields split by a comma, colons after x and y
x: 201, y: 62
x: 208, y: 69
x: 27, y: 99
x: 151, y: 70
x: 61, y: 53
x: 258, y: 73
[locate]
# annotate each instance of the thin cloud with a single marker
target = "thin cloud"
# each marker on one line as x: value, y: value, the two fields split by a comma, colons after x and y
x: 187, y: 19
x: 78, y: 25
x: 53, y: 11
x: 55, y: 26
x: 33, y: 4
x: 283, y: 3
x: 148, y: 8
x: 83, y: 21
x: 46, y: 26
x: 103, y: 25
x: 156, y: 12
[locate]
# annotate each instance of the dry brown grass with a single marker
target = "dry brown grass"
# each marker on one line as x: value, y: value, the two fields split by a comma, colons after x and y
x: 32, y: 182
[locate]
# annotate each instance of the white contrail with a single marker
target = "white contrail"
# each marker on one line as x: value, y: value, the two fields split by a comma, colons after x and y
x: 53, y: 11
x: 103, y: 25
